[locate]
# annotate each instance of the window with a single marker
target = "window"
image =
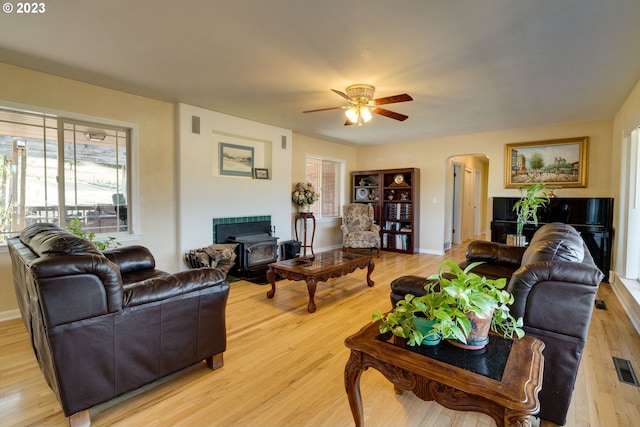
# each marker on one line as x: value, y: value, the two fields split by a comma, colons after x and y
x: 55, y: 169
x: 326, y: 177
x: 632, y: 213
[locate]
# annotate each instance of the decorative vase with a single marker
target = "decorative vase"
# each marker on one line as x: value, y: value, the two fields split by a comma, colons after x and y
x: 305, y: 208
x: 478, y: 337
x: 431, y: 336
x: 515, y: 240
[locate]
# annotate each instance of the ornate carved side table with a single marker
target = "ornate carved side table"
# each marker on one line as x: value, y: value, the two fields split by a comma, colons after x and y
x: 503, y: 381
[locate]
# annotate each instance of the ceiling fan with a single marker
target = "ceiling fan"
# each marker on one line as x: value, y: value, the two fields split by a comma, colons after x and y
x: 362, y: 105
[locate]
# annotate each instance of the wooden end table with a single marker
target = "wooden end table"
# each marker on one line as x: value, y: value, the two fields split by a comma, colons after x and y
x: 503, y: 381
x: 318, y: 268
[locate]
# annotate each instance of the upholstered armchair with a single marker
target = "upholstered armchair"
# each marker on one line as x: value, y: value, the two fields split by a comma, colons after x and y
x: 358, y: 229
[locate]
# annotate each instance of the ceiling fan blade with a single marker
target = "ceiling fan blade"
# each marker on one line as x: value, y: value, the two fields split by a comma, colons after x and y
x: 348, y: 123
x: 390, y: 114
x: 392, y: 99
x: 342, y: 94
x: 324, y: 109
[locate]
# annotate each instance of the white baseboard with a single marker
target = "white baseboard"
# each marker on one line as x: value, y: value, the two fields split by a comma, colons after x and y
x: 431, y: 252
x: 628, y: 293
x: 8, y: 315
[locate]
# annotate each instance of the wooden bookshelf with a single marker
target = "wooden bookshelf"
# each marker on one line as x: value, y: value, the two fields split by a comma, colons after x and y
x: 395, y: 197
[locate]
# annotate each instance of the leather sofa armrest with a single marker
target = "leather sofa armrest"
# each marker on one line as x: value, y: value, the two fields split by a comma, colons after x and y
x: 164, y: 287
x: 131, y: 258
x: 76, y: 287
x: 556, y: 296
x: 494, y: 252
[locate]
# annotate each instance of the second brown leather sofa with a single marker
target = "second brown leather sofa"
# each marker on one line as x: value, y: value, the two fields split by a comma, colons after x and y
x: 554, y: 281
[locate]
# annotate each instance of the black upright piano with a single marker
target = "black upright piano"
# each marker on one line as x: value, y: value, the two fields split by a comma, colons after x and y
x: 592, y: 217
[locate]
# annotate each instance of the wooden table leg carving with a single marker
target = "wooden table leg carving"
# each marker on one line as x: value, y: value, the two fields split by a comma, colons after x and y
x: 311, y: 288
x: 271, y: 277
x: 352, y: 372
x: 370, y: 266
x: 513, y: 419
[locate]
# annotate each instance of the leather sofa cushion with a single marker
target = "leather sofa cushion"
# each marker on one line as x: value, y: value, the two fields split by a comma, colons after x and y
x: 48, y: 239
x: 491, y: 270
x: 554, y: 242
x: 131, y: 259
x: 495, y: 253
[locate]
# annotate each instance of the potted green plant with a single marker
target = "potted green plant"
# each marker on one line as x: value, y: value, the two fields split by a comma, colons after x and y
x: 413, y: 318
x: 471, y: 305
x: 75, y: 226
x: 531, y: 198
x: 456, y: 301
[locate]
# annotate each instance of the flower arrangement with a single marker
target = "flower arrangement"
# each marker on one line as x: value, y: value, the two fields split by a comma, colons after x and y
x: 304, y: 194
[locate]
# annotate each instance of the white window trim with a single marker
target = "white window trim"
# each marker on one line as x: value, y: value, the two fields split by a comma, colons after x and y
x: 341, y: 180
x: 135, y: 232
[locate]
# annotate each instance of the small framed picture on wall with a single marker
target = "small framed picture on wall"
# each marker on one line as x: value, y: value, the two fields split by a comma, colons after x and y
x: 260, y: 173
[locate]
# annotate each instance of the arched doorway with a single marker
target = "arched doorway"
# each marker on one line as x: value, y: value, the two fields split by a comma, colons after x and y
x: 466, y: 202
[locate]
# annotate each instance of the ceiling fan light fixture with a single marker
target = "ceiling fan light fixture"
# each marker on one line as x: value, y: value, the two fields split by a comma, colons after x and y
x: 362, y: 106
x: 365, y: 113
x: 361, y: 92
x: 352, y: 114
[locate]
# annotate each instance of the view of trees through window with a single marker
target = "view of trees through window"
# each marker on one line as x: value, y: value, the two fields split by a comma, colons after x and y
x: 43, y: 180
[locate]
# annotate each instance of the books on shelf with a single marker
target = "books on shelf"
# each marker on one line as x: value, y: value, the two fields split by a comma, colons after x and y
x: 398, y: 211
x: 396, y: 241
x: 397, y: 226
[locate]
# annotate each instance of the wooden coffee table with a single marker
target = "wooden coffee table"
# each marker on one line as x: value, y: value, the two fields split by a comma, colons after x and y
x: 503, y: 381
x: 318, y: 268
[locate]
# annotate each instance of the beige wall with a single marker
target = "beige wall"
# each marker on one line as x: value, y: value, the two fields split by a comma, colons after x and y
x: 155, y: 140
x: 432, y: 158
x: 328, y: 234
x: 204, y: 194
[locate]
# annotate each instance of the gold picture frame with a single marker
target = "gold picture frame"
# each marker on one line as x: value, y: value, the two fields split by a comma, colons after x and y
x: 556, y: 163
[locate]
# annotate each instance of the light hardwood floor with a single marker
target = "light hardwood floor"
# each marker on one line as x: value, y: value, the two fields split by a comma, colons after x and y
x: 284, y: 366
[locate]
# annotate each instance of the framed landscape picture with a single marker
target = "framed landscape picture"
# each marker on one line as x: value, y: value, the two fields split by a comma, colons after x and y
x: 260, y: 173
x: 236, y: 160
x: 556, y: 163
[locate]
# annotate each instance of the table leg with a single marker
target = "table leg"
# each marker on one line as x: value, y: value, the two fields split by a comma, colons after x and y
x: 352, y: 373
x: 370, y: 268
x: 271, y: 277
x: 513, y: 419
x: 311, y: 288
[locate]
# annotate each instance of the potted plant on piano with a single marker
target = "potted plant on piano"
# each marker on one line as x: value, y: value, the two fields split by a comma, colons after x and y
x: 531, y: 198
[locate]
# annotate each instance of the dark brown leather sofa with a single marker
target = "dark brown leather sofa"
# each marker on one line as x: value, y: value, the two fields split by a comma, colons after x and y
x: 102, y: 324
x: 554, y: 281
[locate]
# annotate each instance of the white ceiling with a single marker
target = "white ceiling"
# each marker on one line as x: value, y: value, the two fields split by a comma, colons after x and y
x: 470, y: 65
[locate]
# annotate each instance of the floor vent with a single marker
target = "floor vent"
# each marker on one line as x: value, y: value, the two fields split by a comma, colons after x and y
x: 625, y: 371
x: 600, y: 305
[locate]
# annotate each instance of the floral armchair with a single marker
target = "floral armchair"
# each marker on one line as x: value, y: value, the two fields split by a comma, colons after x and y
x: 358, y: 229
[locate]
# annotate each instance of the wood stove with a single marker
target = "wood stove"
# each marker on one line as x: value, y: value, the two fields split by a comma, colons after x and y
x: 255, y: 250
x: 257, y: 247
